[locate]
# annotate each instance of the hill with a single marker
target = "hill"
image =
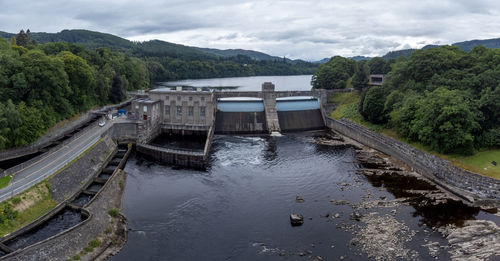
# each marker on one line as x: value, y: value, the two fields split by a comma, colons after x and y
x: 466, y: 46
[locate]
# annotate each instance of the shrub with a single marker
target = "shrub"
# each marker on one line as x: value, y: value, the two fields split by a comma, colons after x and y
x: 114, y: 212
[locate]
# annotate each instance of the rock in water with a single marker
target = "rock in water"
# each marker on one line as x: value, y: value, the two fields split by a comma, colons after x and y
x: 299, y: 199
x: 296, y: 219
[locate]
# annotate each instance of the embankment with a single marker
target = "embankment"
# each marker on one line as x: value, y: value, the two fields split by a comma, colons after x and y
x: 472, y: 188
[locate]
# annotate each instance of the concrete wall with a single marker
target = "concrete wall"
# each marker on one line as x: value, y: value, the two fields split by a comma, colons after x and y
x: 301, y: 120
x: 240, y: 122
x: 476, y: 189
x: 175, y: 157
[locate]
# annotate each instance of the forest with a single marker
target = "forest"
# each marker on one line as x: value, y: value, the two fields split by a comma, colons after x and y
x: 445, y: 98
x: 41, y: 85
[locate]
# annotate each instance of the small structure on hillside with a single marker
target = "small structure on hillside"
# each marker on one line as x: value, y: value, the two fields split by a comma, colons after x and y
x: 376, y: 79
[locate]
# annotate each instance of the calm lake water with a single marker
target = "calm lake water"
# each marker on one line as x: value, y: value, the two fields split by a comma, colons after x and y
x: 282, y: 83
x: 239, y: 209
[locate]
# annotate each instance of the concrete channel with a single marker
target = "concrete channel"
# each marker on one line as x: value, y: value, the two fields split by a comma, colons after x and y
x: 67, y: 215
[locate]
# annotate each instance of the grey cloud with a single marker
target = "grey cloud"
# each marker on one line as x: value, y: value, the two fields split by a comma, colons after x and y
x: 292, y: 28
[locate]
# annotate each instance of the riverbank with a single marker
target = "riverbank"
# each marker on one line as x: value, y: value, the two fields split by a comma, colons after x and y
x: 480, y: 162
x: 379, y: 234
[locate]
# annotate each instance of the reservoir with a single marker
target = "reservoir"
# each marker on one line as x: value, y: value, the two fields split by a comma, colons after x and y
x: 282, y: 83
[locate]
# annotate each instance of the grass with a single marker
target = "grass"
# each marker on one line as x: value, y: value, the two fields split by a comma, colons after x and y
x: 480, y: 162
x: 41, y: 199
x: 4, y: 181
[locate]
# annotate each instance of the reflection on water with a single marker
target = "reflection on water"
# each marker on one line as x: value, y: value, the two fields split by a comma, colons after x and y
x: 239, y: 208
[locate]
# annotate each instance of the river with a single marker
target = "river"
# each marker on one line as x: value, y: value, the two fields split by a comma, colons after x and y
x: 282, y: 83
x: 239, y: 208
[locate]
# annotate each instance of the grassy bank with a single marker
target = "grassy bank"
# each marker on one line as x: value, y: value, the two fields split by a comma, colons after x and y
x: 29, y: 205
x: 4, y: 181
x: 480, y: 162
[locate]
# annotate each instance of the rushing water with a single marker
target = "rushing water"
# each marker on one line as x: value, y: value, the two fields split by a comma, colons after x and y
x: 239, y: 209
x: 254, y: 83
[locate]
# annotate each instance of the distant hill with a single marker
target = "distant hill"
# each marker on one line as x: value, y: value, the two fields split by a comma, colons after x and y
x: 360, y: 58
x: 91, y: 39
x: 466, y: 46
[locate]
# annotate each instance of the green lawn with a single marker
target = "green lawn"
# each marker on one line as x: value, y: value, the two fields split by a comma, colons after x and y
x: 347, y: 107
x: 5, y: 181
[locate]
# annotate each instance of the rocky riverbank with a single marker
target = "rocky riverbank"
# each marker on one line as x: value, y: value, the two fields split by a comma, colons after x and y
x: 379, y: 234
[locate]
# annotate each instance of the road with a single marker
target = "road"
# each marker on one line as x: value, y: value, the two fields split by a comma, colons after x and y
x: 51, y: 162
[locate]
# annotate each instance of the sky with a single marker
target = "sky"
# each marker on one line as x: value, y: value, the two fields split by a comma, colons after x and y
x: 297, y: 29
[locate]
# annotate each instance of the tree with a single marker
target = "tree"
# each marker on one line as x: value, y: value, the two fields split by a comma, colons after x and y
x: 117, y: 94
x: 444, y: 121
x: 377, y: 65
x: 333, y: 74
x: 361, y: 76
x: 22, y: 38
x: 373, y: 105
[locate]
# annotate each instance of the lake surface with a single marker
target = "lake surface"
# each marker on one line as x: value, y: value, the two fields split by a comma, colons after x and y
x: 239, y: 208
x: 254, y: 83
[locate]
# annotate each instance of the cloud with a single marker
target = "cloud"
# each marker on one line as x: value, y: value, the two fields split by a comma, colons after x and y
x: 308, y: 30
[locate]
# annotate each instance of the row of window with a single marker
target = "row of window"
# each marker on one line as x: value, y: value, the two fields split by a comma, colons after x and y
x: 179, y: 98
x: 190, y: 110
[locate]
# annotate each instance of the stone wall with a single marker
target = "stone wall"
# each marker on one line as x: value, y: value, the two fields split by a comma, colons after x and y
x: 70, y: 180
x: 473, y: 188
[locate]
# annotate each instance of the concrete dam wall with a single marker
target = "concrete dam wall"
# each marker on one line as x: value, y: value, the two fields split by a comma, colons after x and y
x: 300, y: 120
x: 240, y: 122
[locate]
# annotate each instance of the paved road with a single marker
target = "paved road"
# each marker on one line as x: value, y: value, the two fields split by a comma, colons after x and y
x: 51, y: 162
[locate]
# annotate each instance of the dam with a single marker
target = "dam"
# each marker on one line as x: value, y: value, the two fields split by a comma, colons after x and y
x: 197, y: 114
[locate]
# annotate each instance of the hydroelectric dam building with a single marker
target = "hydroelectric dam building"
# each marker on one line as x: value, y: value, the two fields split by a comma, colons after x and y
x: 201, y: 113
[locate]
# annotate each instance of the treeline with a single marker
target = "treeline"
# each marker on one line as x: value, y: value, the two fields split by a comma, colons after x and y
x: 445, y: 98
x: 43, y: 84
x: 168, y: 68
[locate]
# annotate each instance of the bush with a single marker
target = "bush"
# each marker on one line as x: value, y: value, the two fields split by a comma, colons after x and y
x: 114, y: 212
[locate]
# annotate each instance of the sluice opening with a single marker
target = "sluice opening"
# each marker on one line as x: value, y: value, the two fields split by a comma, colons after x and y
x: 82, y: 200
x: 193, y: 142
x: 63, y: 220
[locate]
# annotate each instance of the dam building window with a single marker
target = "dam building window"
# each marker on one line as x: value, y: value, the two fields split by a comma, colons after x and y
x: 145, y: 109
x: 202, y: 98
x: 166, y: 98
x: 167, y: 110
x: 190, y: 110
x: 179, y: 110
x: 178, y: 98
x: 190, y: 98
x: 202, y: 111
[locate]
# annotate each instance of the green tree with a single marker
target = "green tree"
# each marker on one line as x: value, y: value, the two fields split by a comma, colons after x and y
x: 373, y: 105
x: 333, y: 74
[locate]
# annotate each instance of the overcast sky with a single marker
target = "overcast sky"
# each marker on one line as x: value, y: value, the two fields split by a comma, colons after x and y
x: 303, y: 29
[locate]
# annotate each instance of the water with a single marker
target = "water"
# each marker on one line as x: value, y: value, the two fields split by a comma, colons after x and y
x: 239, y: 209
x: 65, y: 219
x: 179, y: 142
x: 254, y: 83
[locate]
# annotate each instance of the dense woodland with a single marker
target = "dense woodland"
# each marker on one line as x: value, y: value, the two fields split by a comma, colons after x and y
x: 443, y: 97
x: 43, y: 84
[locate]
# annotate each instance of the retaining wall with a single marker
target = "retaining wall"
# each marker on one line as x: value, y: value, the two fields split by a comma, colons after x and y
x: 474, y: 188
x: 301, y: 120
x: 171, y: 156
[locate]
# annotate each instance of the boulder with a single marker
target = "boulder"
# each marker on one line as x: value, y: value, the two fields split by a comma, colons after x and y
x: 296, y: 219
